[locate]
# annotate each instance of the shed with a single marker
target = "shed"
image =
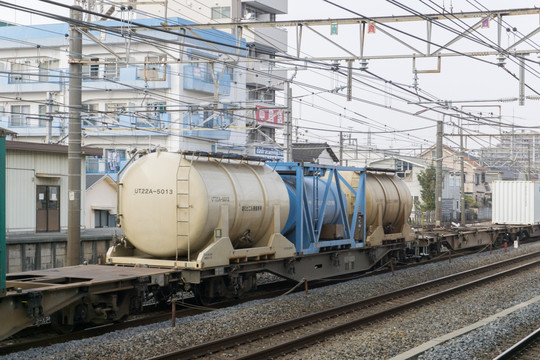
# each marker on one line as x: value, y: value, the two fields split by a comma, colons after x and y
x: 37, y: 186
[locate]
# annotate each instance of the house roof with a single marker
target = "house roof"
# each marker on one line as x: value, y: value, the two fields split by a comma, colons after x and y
x: 6, y: 132
x: 50, y: 148
x: 467, y: 158
x: 423, y: 163
x: 410, y: 159
x: 93, y: 179
x: 310, y: 152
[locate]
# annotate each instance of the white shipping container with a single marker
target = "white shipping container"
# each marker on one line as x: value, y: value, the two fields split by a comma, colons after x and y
x: 516, y: 202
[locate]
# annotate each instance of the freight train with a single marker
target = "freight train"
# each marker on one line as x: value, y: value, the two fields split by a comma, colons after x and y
x: 208, y: 215
x: 209, y: 223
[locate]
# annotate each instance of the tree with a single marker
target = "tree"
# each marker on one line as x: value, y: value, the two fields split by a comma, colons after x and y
x: 426, y: 178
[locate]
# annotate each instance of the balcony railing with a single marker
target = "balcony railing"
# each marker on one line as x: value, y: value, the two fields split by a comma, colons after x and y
x: 104, y: 166
x: 200, y: 79
x: 128, y: 121
x: 36, y: 76
x: 110, y: 79
x: 208, y: 126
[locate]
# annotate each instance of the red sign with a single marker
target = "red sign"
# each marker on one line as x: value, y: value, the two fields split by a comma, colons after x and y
x: 271, y: 116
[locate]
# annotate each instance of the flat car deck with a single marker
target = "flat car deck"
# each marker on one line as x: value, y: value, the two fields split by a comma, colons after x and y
x: 32, y: 295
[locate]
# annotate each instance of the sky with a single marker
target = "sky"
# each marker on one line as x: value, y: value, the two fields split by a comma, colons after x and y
x: 462, y: 81
x: 376, y: 116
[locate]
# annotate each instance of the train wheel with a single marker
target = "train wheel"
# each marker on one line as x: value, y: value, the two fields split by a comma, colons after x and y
x: 66, y: 320
x: 210, y: 291
x: 523, y: 236
x: 61, y: 324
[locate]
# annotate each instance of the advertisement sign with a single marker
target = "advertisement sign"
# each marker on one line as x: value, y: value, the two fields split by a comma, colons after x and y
x: 268, y: 152
x: 269, y: 116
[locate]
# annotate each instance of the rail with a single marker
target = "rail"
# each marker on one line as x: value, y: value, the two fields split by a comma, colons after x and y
x: 526, y: 348
x: 250, y: 338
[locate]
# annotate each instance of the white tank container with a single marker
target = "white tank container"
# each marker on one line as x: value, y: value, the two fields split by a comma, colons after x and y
x: 515, y: 202
x: 168, y: 203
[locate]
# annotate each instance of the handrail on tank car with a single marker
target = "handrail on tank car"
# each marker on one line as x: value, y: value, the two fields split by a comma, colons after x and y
x: 223, y: 156
x: 133, y: 156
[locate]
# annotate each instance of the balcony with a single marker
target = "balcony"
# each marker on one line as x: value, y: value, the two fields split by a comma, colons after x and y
x: 104, y: 166
x: 199, y: 78
x: 272, y: 37
x: 30, y: 127
x: 53, y: 80
x: 271, y: 6
x: 32, y: 81
x: 127, y: 78
x: 207, y: 126
x: 133, y: 124
x: 262, y: 76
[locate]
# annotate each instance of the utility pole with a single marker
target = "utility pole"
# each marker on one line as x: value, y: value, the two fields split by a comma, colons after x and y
x: 462, y: 172
x: 74, y: 144
x: 341, y: 148
x: 438, y: 174
x: 288, y: 135
x: 48, y: 137
x: 528, y: 160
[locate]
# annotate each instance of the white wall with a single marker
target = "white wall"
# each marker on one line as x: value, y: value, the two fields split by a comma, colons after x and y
x: 22, y: 168
x: 101, y: 196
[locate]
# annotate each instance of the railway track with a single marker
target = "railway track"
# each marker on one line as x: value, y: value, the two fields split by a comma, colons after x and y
x: 527, y: 348
x: 288, y: 336
x: 44, y: 335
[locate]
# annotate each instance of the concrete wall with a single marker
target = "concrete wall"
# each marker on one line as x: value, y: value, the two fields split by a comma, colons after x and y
x: 26, y: 256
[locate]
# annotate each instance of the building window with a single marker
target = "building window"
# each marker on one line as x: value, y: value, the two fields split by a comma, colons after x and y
x: 19, y: 115
x: 261, y: 94
x: 91, y: 71
x: 20, y: 72
x: 44, y: 116
x: 114, y: 110
x: 48, y: 69
x: 221, y: 12
x: 154, y: 68
x: 94, y: 69
x: 90, y: 114
x: 263, y: 134
x: 202, y: 70
x: 153, y: 114
x: 104, y: 219
x: 114, y: 157
x: 112, y: 68
x: 251, y: 13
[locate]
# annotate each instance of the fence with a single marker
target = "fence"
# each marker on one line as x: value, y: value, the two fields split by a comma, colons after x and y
x: 419, y: 217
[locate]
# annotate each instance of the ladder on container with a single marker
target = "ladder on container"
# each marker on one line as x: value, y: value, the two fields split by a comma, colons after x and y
x: 183, y: 205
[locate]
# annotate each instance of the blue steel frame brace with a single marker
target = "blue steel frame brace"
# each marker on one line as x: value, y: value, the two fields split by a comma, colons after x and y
x: 3, y: 253
x: 308, y: 228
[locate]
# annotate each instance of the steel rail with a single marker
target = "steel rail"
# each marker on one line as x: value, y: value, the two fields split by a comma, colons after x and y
x: 249, y: 336
x: 520, y: 347
x: 270, y: 290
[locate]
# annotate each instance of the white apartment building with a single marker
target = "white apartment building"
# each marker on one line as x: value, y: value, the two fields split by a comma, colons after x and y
x: 182, y: 92
x: 263, y: 79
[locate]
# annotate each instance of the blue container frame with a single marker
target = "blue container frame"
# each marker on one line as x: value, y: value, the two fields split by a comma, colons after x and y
x: 307, y: 235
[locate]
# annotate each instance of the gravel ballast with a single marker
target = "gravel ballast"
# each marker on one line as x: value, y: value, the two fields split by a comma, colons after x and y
x: 378, y: 341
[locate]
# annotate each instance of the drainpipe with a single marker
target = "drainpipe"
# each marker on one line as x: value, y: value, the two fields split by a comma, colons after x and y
x: 3, y: 253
